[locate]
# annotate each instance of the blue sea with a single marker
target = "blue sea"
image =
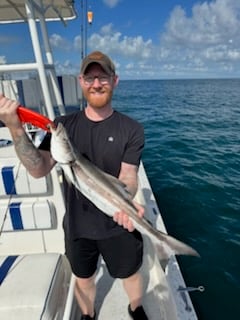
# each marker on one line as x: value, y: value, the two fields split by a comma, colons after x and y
x: 192, y: 158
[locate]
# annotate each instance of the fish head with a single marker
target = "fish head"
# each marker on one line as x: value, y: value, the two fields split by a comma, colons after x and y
x: 61, y: 148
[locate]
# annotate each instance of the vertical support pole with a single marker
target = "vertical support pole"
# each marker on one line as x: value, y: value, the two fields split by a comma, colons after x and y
x: 39, y: 58
x: 52, y: 72
x: 83, y: 39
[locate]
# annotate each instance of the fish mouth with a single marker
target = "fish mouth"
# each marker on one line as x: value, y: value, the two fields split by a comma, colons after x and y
x: 58, y: 130
x: 52, y: 127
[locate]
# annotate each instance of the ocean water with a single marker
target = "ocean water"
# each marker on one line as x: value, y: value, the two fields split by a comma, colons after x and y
x: 192, y: 158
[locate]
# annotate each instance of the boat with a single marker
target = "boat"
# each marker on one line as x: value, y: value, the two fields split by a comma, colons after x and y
x: 36, y: 281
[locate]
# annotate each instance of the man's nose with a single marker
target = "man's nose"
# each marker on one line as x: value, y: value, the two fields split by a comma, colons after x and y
x: 96, y: 81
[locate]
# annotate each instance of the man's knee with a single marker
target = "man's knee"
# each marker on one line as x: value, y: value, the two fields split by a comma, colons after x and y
x: 84, y: 283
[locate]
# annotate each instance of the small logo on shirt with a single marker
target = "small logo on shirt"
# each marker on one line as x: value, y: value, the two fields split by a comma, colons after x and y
x: 110, y: 139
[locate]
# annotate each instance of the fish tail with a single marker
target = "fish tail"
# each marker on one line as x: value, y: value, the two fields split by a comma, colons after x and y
x: 168, y: 246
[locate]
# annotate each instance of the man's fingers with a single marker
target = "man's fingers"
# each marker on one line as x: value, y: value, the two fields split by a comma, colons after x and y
x: 123, y: 219
x: 140, y: 209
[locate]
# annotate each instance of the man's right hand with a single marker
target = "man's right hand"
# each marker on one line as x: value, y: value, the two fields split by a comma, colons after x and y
x: 8, y: 113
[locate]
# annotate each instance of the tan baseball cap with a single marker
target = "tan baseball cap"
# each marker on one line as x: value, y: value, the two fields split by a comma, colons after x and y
x: 100, y: 58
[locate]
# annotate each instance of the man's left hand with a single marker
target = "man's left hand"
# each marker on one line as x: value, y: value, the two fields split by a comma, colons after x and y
x: 125, y: 221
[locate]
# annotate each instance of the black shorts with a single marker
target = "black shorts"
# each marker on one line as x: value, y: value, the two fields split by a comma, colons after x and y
x: 122, y: 255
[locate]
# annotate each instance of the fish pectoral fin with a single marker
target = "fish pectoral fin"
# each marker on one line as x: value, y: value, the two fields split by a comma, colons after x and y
x: 96, y: 174
x: 118, y: 184
x: 70, y: 176
x: 113, y: 179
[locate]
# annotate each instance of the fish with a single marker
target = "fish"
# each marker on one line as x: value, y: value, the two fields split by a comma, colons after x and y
x: 108, y: 193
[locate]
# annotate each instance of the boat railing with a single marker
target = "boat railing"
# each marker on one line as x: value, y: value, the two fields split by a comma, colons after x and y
x: 33, y: 12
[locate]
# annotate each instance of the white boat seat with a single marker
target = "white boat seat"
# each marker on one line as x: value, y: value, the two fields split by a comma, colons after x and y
x: 23, y: 215
x: 33, y: 286
x: 17, y: 181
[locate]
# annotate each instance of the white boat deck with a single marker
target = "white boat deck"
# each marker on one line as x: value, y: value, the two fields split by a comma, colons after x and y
x: 112, y: 301
x: 161, y: 298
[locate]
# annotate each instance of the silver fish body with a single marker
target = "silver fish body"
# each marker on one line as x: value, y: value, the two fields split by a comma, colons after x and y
x: 108, y: 193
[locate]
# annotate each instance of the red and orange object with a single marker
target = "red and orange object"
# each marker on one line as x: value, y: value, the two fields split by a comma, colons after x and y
x: 35, y: 118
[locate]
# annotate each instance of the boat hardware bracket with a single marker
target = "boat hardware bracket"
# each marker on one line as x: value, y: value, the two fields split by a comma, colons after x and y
x: 183, y: 290
x: 190, y: 289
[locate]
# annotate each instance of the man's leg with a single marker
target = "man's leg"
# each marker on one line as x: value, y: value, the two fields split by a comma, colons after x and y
x: 123, y: 256
x: 85, y: 292
x: 83, y: 257
x: 133, y: 286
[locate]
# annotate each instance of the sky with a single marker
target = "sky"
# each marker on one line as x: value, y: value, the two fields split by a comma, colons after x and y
x: 147, y: 39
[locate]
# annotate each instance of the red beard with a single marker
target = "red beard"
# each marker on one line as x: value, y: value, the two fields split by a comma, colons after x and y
x: 98, y: 99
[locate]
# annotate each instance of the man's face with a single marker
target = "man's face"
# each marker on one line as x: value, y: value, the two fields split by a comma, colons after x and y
x: 97, y: 86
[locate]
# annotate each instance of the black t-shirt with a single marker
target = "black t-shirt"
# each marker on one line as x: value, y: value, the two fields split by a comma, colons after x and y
x: 105, y: 143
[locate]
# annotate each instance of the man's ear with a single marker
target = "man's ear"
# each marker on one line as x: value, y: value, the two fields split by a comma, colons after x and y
x: 80, y: 79
x: 116, y: 80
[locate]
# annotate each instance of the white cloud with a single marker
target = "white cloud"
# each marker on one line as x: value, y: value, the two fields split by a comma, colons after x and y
x: 107, y: 29
x: 129, y: 66
x: 77, y: 43
x: 8, y: 39
x: 59, y: 42
x: 111, y: 3
x: 203, y: 43
x: 3, y: 60
x: 210, y: 24
x: 66, y: 67
x: 209, y: 37
x: 113, y: 42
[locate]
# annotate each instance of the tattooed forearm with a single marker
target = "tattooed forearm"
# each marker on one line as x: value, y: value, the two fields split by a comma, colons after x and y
x: 131, y: 184
x: 37, y: 162
x: 129, y: 176
x: 130, y: 179
x: 29, y: 155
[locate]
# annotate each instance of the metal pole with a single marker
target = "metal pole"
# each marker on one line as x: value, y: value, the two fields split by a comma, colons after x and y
x: 83, y: 39
x: 83, y: 29
x: 39, y: 58
x: 86, y: 26
x: 53, y: 76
